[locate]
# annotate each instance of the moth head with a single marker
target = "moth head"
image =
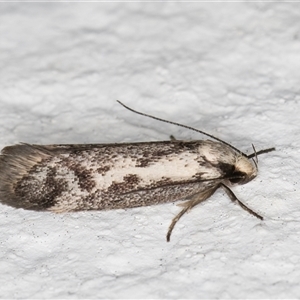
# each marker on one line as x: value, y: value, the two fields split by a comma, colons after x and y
x: 243, y: 171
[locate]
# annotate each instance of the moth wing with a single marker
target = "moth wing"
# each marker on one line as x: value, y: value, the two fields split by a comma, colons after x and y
x: 23, y: 168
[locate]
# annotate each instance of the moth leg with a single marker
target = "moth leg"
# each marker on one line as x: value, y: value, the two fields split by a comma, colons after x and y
x: 188, y: 205
x: 234, y: 198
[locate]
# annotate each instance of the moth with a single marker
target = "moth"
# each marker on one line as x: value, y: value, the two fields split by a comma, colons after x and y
x: 68, y: 178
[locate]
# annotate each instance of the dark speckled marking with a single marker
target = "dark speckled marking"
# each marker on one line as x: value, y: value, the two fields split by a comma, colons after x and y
x: 132, y: 179
x: 85, y: 179
x: 82, y: 174
x: 116, y: 188
x: 150, y: 157
x: 29, y: 187
x: 103, y: 170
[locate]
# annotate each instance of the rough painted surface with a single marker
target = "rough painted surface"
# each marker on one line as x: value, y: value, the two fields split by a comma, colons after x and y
x: 231, y: 69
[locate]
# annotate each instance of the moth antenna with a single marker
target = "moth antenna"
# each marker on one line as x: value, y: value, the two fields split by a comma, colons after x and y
x: 256, y: 159
x: 184, y: 126
x: 261, y: 152
x: 254, y: 150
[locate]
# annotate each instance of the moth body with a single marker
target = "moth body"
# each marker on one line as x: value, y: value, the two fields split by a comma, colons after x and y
x: 66, y: 178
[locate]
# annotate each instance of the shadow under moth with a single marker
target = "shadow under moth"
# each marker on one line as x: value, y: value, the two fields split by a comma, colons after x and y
x: 68, y: 178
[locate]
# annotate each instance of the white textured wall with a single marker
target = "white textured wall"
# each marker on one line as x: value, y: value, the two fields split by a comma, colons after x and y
x: 232, y: 69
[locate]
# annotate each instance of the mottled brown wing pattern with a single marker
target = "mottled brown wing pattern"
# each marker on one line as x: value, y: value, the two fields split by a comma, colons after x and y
x: 83, y: 177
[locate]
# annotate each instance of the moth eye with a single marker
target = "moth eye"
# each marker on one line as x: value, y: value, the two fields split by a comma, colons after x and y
x: 237, y: 177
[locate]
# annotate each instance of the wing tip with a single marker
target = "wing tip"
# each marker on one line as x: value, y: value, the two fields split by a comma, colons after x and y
x: 15, y: 163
